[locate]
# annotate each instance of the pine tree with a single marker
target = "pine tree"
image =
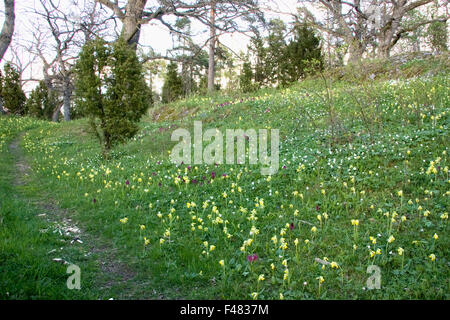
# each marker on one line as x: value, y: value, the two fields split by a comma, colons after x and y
x: 246, y: 76
x: 111, y: 90
x: 438, y: 36
x: 11, y: 91
x: 304, y: 47
x: 173, y: 84
x: 41, y: 102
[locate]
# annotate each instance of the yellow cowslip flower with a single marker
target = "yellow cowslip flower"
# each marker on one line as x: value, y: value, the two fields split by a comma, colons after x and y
x: 124, y: 220
x: 400, y: 251
x: 400, y: 193
x: 286, y: 274
x: 254, y: 295
x: 432, y: 257
x: 296, y: 213
x: 306, y: 241
x: 334, y: 265
x: 159, y: 215
x: 374, y: 240
x: 274, y: 239
x: 167, y: 233
x: 261, y: 277
x: 222, y: 263
x: 284, y: 263
x: 161, y: 241
x: 296, y: 241
x: 142, y: 227
x: 281, y: 296
x: 435, y: 236
x: 444, y: 216
x: 146, y: 241
x: 322, y: 191
x: 212, y: 247
x: 403, y: 218
x: 314, y: 229
x: 378, y: 251
x: 391, y: 239
x: 355, y: 222
x: 272, y: 266
x: 319, y: 217
x: 321, y: 279
x: 325, y: 215
x: 355, y: 247
x: 372, y: 254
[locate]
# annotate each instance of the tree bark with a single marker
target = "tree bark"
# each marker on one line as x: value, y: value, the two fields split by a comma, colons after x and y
x: 131, y: 29
x: 67, y: 94
x: 8, y: 27
x: 212, y: 48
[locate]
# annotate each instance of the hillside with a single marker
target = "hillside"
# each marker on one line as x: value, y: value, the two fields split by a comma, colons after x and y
x: 362, y: 180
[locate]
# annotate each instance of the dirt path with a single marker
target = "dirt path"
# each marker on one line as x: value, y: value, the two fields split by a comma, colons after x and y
x: 116, y: 277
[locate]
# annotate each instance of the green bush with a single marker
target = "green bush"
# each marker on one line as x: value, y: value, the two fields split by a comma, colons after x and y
x: 11, y: 91
x: 41, y: 102
x: 110, y: 90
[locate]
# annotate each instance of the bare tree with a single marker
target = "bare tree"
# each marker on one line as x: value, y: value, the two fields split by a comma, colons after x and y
x: 363, y: 23
x: 58, y: 38
x: 212, y: 48
x: 8, y: 27
x: 6, y: 34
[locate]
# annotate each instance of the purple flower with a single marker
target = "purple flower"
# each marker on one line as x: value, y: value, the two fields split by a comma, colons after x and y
x: 317, y: 208
x: 252, y: 257
x: 213, y: 175
x: 127, y: 182
x: 291, y: 226
x: 95, y: 200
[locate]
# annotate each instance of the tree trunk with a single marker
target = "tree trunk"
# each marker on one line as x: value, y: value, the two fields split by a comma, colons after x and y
x: 212, y: 48
x: 8, y: 27
x: 55, y: 116
x: 131, y: 28
x: 2, y: 111
x: 67, y: 94
x: 356, y: 51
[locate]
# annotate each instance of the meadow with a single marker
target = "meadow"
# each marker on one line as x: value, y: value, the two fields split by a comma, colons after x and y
x: 363, y: 180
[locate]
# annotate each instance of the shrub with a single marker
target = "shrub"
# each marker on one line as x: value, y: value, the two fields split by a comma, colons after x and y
x: 110, y: 90
x: 11, y: 92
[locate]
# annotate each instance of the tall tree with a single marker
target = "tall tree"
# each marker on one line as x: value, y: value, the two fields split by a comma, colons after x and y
x: 212, y: 47
x: 8, y: 27
x: 7, y: 33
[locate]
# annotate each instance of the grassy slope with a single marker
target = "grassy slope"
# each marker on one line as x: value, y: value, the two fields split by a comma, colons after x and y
x: 383, y: 141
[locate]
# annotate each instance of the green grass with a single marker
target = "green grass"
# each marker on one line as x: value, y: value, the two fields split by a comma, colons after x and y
x: 382, y: 137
